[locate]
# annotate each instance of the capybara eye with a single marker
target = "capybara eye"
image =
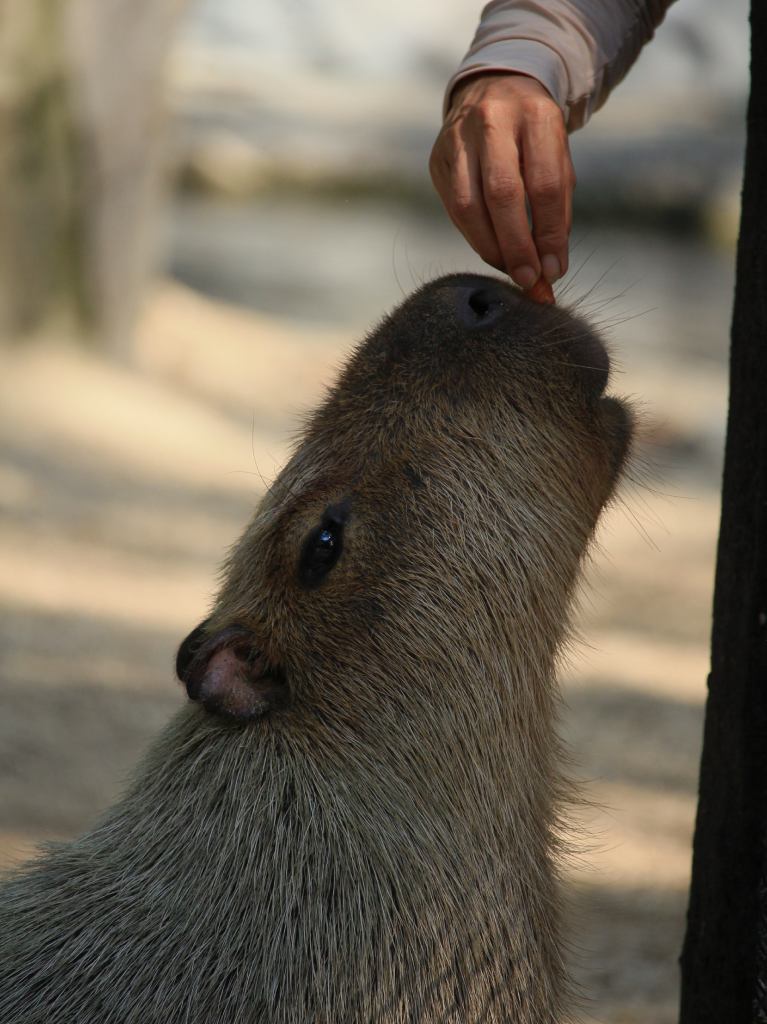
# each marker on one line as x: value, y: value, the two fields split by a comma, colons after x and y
x: 320, y: 552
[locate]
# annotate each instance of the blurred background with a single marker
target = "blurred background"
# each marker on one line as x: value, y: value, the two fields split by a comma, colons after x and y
x: 202, y: 205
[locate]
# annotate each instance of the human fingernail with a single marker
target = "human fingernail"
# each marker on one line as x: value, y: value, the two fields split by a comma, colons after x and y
x: 551, y: 268
x: 525, y: 277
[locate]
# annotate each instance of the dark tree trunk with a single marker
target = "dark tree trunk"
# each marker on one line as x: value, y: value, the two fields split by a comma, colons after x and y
x: 724, y: 961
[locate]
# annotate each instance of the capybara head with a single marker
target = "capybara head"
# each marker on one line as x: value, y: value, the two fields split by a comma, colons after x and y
x: 413, y: 561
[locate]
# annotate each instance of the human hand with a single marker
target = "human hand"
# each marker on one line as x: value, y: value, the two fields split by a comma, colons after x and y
x: 504, y: 140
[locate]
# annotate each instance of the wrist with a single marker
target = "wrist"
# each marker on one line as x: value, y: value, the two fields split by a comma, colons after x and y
x: 495, y: 83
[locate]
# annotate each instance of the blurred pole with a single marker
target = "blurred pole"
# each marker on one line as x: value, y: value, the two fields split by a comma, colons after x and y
x: 40, y: 251
x: 81, y: 128
x: 724, y: 961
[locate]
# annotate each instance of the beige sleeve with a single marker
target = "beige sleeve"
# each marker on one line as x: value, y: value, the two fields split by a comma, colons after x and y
x: 577, y: 49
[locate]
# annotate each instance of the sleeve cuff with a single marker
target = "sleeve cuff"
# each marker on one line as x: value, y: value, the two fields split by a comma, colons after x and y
x: 524, y: 56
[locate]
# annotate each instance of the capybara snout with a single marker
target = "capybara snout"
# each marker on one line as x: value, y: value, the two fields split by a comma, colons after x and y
x: 546, y: 337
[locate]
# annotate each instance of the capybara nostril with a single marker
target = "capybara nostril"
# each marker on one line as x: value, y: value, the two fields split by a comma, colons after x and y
x: 481, y: 306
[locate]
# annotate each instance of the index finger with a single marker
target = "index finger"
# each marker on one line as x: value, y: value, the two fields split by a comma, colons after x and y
x: 504, y: 192
x: 549, y: 180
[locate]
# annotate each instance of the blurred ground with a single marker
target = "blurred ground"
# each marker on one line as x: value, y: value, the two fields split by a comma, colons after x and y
x: 120, y: 492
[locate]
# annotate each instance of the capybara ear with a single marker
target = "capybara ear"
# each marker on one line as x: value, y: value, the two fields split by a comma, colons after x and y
x: 189, y: 648
x: 228, y: 674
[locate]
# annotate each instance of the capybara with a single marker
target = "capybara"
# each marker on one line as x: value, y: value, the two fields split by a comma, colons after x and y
x: 357, y: 817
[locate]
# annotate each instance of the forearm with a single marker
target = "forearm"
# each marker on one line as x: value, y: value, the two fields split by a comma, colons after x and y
x: 577, y: 49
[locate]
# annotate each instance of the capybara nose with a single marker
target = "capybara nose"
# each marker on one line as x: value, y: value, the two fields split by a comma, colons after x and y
x: 482, y: 302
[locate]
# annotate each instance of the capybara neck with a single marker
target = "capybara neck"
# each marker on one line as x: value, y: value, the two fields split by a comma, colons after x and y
x: 357, y: 818
x: 302, y: 880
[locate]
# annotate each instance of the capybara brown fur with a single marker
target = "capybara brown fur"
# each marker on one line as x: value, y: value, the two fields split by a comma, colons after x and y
x: 357, y: 817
